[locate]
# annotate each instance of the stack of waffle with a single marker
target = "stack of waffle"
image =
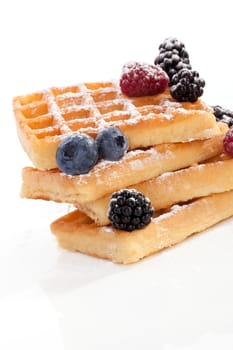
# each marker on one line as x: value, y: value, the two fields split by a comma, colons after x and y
x: 175, y: 158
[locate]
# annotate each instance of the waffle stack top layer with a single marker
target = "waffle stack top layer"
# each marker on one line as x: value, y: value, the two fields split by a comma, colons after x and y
x: 44, y: 118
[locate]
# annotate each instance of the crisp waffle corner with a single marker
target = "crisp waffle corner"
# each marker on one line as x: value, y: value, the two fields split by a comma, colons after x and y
x: 175, y: 158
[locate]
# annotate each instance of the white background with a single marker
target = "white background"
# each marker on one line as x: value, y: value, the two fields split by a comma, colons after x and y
x: 52, y: 299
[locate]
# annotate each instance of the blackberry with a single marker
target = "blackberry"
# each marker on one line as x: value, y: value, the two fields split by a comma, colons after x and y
x: 186, y: 86
x: 172, y: 56
x: 129, y: 210
x: 223, y: 115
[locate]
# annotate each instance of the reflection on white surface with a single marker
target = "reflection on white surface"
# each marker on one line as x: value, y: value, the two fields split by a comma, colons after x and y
x: 30, y: 321
x: 180, y: 298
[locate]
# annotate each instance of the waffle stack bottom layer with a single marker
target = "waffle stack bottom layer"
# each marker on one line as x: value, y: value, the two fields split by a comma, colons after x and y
x: 77, y: 232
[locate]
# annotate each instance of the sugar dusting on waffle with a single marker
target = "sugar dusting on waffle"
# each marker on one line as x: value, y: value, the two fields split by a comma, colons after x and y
x: 159, y: 129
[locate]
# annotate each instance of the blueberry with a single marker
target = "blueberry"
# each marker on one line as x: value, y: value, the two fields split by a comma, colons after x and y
x: 112, y: 144
x: 77, y: 154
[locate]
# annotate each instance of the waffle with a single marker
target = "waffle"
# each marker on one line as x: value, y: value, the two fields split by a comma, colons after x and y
x: 175, y: 156
x: 44, y: 118
x: 76, y: 232
x: 174, y: 187
x: 107, y: 177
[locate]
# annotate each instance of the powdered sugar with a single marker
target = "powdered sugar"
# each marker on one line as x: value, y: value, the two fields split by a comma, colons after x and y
x: 165, y: 175
x: 54, y: 110
x: 166, y: 116
x: 107, y: 229
x: 132, y: 161
x: 174, y: 210
x: 136, y: 165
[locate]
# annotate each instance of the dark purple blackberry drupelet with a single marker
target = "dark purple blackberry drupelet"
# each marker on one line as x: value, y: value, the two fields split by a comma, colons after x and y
x: 186, y: 86
x: 228, y: 142
x: 141, y: 79
x: 223, y: 115
x: 129, y: 210
x: 172, y: 56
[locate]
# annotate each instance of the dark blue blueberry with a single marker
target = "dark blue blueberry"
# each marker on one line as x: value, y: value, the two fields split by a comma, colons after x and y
x: 77, y: 154
x: 112, y: 144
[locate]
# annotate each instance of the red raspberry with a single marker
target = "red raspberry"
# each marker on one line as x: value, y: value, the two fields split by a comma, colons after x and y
x: 228, y: 142
x: 141, y: 79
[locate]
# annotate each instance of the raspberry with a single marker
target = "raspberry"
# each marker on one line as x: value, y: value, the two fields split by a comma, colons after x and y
x: 223, y: 114
x: 141, y: 79
x: 186, y: 85
x: 228, y: 142
x: 172, y: 56
x: 129, y: 210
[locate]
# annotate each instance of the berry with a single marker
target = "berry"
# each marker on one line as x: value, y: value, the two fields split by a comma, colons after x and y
x: 112, y: 144
x: 141, y: 79
x: 129, y: 210
x: 228, y: 142
x: 223, y: 114
x: 77, y: 154
x: 172, y: 56
x: 186, y: 85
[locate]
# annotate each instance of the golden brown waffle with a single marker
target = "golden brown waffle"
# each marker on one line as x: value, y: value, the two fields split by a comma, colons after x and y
x: 174, y: 187
x: 43, y: 118
x: 107, y: 177
x: 166, y: 140
x: 76, y: 232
